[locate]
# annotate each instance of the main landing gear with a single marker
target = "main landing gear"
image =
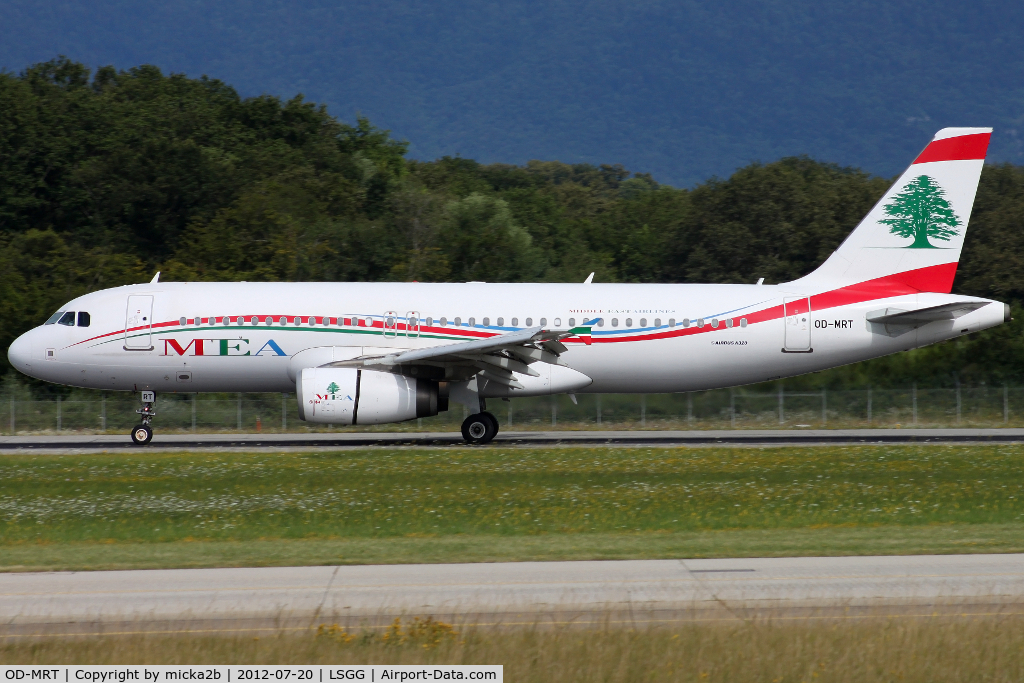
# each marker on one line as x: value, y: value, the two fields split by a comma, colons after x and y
x: 480, y: 428
x: 143, y: 433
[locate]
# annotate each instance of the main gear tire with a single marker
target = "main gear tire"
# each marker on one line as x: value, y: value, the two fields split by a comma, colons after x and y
x: 479, y: 428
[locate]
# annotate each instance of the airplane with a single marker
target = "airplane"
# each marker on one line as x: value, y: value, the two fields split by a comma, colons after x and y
x: 372, y: 353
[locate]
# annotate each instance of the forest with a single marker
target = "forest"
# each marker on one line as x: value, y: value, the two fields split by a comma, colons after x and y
x: 108, y: 176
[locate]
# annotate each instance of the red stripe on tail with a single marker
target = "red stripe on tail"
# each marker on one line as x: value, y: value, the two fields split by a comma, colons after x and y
x: 959, y: 148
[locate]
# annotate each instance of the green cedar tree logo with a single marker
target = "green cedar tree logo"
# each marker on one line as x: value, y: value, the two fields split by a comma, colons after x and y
x: 920, y: 211
x: 333, y: 388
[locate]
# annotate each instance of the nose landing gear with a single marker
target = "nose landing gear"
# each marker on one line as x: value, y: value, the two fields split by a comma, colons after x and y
x: 143, y: 433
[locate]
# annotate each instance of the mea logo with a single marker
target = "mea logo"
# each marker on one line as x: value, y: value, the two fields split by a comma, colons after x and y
x: 332, y: 391
x: 220, y: 347
x: 920, y: 211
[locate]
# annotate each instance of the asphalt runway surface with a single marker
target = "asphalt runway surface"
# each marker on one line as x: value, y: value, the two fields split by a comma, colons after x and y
x: 101, y: 442
x: 537, y: 593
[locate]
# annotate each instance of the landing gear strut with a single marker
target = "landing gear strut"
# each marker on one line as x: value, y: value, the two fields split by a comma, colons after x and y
x: 142, y: 433
x: 480, y: 428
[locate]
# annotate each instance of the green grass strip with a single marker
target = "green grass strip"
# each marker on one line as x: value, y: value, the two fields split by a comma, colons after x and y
x: 485, y: 504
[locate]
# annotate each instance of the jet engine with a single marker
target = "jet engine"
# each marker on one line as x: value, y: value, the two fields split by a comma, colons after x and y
x: 347, y: 396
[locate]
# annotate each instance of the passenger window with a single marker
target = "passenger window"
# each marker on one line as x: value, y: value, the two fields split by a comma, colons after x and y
x: 615, y: 322
x: 643, y: 322
x: 501, y: 322
x: 572, y: 322
x: 515, y: 322
x: 487, y: 322
x: 54, y: 318
x: 472, y: 322
x: 67, y: 319
x: 743, y: 322
x: 529, y: 322
x: 458, y: 322
x: 657, y: 322
x: 444, y: 322
x: 629, y: 322
x: 83, y: 319
x: 543, y: 322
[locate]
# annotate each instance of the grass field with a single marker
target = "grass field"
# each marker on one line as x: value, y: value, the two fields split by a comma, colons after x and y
x: 479, y: 504
x: 933, y: 650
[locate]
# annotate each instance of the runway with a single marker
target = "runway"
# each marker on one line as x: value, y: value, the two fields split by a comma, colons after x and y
x: 227, y: 600
x: 101, y: 442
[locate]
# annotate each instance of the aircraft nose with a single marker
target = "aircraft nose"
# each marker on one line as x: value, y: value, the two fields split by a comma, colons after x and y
x: 20, y: 353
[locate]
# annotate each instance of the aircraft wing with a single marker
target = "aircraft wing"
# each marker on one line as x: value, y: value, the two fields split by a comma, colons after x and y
x: 496, y: 358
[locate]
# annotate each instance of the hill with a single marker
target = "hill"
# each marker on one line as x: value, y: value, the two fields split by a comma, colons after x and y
x: 680, y: 90
x: 109, y: 176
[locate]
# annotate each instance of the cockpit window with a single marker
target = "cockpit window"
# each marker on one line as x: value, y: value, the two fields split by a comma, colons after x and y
x: 83, y: 319
x: 54, y: 318
x: 67, y: 319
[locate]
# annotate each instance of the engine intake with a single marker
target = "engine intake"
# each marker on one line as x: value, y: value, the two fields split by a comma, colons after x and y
x: 348, y: 396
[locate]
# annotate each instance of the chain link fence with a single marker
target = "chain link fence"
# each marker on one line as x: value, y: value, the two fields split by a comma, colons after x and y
x: 706, y: 410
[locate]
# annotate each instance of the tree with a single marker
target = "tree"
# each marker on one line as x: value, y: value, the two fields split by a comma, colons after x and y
x: 921, y: 211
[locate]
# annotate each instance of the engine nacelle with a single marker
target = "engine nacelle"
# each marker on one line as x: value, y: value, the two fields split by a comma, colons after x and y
x: 346, y: 396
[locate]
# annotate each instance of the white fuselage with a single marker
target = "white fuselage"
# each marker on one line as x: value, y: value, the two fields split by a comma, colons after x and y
x: 200, y: 337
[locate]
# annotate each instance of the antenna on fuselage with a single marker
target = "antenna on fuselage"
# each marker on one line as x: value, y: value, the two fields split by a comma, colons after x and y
x: 590, y: 278
x: 156, y: 278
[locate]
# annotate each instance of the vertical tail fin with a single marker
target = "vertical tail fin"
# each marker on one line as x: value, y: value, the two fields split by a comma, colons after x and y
x: 913, y: 236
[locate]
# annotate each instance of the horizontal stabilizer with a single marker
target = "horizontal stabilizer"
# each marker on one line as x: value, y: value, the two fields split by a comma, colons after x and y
x: 923, y: 316
x: 897, y: 321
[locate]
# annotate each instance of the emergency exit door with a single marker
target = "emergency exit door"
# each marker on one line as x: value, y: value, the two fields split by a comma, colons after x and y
x: 798, y: 324
x: 138, y: 323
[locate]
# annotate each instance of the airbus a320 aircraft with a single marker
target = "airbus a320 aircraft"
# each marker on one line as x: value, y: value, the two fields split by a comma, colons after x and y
x: 372, y: 353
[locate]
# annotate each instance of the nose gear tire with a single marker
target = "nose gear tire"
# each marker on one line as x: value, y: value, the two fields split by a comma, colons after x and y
x: 142, y: 434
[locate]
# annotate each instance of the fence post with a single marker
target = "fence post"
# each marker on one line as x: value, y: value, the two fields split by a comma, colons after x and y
x: 643, y: 410
x: 598, y: 396
x: 956, y: 381
x: 782, y: 406
x: 913, y: 403
x: 14, y: 427
x: 689, y: 409
x: 239, y: 411
x: 58, y: 414
x: 103, y: 413
x: 732, y: 408
x: 194, y: 396
x: 284, y: 412
x: 824, y: 408
x: 1006, y: 405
